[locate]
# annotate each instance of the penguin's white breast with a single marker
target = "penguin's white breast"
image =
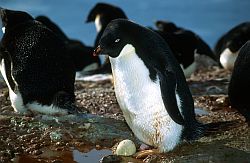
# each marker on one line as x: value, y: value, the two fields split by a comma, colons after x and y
x: 140, y: 100
x: 227, y: 58
x: 98, y: 24
x: 3, y: 29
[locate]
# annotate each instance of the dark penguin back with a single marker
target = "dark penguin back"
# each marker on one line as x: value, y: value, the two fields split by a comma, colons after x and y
x: 239, y: 87
x: 41, y: 64
x: 80, y: 53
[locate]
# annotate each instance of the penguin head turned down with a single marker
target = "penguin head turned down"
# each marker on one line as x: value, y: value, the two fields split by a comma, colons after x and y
x: 113, y: 40
x: 12, y: 18
x: 36, y: 66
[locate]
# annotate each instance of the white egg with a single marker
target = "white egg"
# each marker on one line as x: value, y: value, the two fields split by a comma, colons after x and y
x: 126, y: 148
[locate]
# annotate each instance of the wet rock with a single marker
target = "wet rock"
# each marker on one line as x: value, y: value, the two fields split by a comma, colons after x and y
x: 55, y: 136
x: 111, y: 159
x: 125, y: 148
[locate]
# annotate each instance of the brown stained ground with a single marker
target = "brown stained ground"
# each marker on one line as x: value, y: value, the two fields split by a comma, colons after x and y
x: 36, y: 138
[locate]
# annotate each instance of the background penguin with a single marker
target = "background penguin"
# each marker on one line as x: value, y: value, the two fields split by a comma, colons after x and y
x: 166, y: 26
x: 36, y: 67
x: 80, y: 53
x: 227, y: 47
x: 239, y: 86
x: 102, y: 14
x: 150, y: 86
x: 185, y: 44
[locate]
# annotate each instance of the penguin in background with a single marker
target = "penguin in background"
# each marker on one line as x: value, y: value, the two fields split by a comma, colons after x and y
x: 228, y: 45
x: 185, y: 44
x: 239, y: 84
x: 80, y: 53
x: 101, y: 14
x: 166, y: 26
x: 150, y: 86
x: 35, y: 65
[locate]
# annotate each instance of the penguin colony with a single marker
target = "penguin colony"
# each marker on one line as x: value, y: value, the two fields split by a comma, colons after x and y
x: 38, y: 63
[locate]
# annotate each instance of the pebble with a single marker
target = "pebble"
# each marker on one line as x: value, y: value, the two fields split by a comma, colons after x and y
x: 125, y: 148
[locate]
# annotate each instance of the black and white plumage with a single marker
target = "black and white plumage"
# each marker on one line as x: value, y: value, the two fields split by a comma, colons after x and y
x: 150, y: 86
x: 36, y: 67
x: 80, y: 53
x: 185, y: 44
x: 239, y: 87
x: 102, y: 14
x: 227, y: 47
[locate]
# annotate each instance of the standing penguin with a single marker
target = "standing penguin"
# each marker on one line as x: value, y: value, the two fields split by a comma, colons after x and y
x: 228, y: 46
x: 80, y: 53
x: 102, y: 14
x: 36, y: 67
x: 239, y: 84
x: 150, y: 86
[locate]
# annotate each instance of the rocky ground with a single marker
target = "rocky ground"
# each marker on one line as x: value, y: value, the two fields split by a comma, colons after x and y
x: 40, y: 138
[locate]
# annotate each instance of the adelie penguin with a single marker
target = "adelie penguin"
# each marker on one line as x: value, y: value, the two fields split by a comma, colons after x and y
x: 227, y: 47
x: 150, y: 86
x: 239, y: 86
x: 101, y: 14
x: 36, y: 67
x: 185, y: 44
x: 80, y: 53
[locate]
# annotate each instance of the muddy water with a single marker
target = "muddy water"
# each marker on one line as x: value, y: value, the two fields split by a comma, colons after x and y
x: 64, y: 156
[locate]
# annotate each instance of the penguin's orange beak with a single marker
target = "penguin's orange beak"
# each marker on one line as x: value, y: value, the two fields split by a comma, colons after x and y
x: 97, y: 51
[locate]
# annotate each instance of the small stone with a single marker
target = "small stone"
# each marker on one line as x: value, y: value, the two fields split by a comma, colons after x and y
x: 111, y: 158
x: 125, y: 148
x: 86, y: 126
x: 55, y: 136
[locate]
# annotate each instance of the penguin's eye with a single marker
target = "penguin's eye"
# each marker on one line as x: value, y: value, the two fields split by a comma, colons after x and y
x: 117, y: 40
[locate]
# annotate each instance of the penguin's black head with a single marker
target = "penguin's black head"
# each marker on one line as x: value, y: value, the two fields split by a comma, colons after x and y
x: 11, y: 18
x: 106, y: 11
x: 114, y: 38
x: 165, y: 26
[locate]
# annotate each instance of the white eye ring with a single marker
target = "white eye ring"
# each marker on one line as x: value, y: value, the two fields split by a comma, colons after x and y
x: 117, y: 40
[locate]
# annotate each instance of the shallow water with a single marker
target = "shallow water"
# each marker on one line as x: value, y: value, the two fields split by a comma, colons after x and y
x: 93, y: 156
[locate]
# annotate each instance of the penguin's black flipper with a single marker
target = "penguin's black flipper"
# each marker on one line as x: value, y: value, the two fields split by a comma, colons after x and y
x: 168, y: 88
x: 4, y: 55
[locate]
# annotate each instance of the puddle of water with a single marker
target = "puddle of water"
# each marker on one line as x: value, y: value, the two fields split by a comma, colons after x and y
x: 200, y: 111
x: 92, y: 156
x: 74, y: 156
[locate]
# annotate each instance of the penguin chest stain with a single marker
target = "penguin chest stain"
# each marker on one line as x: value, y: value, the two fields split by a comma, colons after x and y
x: 140, y: 100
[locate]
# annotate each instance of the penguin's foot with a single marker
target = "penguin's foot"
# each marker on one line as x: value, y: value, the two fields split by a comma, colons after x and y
x: 144, y: 147
x: 143, y: 154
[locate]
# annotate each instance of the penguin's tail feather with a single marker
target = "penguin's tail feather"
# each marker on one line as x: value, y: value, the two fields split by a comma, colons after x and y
x: 197, y: 130
x: 217, y: 127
